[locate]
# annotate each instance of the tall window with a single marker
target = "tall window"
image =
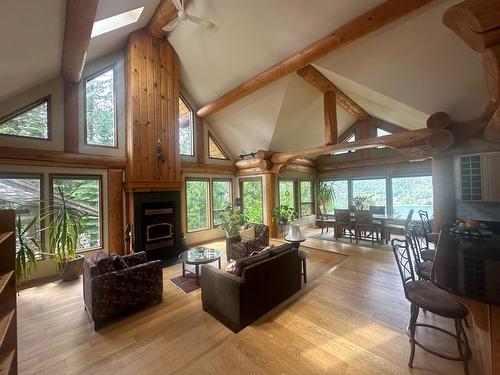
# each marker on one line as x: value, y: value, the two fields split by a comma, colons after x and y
x: 306, y: 198
x: 369, y: 192
x: 197, y: 205
x: 31, y: 121
x: 411, y: 192
x: 338, y: 191
x: 382, y: 132
x: 185, y: 128
x: 287, y: 195
x: 251, y: 193
x: 214, y: 149
x: 221, y: 198
x: 23, y: 194
x: 84, y: 193
x: 100, y: 117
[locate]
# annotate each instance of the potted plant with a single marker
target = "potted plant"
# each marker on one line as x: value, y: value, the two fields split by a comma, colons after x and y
x: 65, y: 224
x: 232, y: 220
x: 27, y: 247
x: 282, y: 214
x: 325, y: 195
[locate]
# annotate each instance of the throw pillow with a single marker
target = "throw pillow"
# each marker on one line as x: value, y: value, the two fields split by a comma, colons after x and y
x: 231, y: 267
x: 264, y: 250
x: 247, y: 234
x: 103, y: 262
x: 118, y: 262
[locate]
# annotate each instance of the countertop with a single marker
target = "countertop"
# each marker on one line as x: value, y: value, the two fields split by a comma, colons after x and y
x: 468, y: 267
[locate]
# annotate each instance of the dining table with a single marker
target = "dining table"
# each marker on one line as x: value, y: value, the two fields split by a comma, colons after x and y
x: 383, y: 218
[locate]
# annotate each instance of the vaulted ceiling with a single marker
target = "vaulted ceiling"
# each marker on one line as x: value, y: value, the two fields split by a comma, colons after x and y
x: 401, y: 73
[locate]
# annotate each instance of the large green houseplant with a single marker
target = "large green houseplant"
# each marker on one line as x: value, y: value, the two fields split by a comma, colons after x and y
x: 27, y: 247
x: 282, y: 214
x: 65, y: 224
x: 232, y: 220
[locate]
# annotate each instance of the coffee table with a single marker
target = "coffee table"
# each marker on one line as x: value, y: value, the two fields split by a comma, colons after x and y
x: 198, y: 256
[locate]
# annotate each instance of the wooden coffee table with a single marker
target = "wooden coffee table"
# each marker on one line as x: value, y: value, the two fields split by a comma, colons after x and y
x: 198, y: 256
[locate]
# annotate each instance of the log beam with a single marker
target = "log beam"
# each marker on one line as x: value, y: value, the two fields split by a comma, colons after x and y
x: 164, y: 13
x: 491, y: 67
x: 432, y: 141
x: 71, y: 117
x: 312, y: 76
x: 207, y: 168
x: 374, y: 19
x: 492, y: 130
x: 460, y: 130
x: 80, y: 17
x: 247, y: 163
x: 387, y: 160
x: 330, y: 117
x: 476, y: 22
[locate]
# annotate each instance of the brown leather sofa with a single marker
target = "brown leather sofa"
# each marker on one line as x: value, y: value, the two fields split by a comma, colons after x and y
x: 236, y: 249
x: 117, y: 284
x: 265, y: 281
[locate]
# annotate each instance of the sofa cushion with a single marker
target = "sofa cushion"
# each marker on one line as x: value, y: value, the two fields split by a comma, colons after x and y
x: 243, y: 263
x: 118, y: 262
x: 247, y: 234
x: 103, y: 262
x: 280, y: 249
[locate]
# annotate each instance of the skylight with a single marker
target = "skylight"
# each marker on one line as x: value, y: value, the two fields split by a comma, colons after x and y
x: 115, y: 22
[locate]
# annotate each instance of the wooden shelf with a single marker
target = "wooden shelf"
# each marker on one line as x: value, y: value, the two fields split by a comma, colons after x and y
x: 5, y: 322
x: 6, y: 360
x: 4, y: 279
x: 4, y: 236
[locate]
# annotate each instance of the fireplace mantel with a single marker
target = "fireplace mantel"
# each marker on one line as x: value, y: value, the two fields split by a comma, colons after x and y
x: 150, y: 186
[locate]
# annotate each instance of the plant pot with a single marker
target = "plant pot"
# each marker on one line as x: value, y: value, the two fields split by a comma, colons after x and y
x: 283, y: 221
x: 72, y: 269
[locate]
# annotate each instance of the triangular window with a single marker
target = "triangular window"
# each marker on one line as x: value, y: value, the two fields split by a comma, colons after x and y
x: 214, y: 150
x: 382, y: 132
x: 31, y: 121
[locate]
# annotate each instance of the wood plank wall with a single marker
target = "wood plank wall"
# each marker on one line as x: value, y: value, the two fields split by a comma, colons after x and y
x: 152, y: 73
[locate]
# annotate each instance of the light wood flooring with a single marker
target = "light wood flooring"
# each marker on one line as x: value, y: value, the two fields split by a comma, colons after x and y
x: 349, y: 319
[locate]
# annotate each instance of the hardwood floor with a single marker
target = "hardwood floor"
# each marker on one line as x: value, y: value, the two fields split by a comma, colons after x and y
x: 349, y: 319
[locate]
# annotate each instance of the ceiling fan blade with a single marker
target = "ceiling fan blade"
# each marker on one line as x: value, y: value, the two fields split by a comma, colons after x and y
x: 178, y: 4
x: 202, y: 22
x: 171, y: 25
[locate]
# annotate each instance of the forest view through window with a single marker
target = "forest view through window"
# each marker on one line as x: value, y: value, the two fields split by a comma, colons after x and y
x: 306, y: 198
x: 287, y: 193
x: 186, y: 143
x: 197, y: 205
x: 83, y: 193
x: 31, y: 122
x: 413, y: 192
x: 251, y: 193
x: 100, y: 121
x: 221, y: 198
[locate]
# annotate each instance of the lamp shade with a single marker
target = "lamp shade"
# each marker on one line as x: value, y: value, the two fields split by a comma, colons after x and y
x: 294, y: 234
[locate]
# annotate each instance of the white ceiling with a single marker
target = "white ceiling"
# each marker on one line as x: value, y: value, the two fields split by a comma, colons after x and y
x: 31, y: 37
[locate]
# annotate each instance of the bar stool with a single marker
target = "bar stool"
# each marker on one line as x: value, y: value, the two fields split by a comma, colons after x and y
x: 428, y: 297
x: 430, y: 236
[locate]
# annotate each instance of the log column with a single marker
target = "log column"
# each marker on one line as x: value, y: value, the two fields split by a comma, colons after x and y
x: 116, y: 241
x: 443, y: 186
x: 330, y: 117
x: 270, y: 199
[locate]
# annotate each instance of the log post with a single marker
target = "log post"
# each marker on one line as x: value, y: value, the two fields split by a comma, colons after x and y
x: 330, y: 119
x: 443, y: 187
x: 491, y: 67
x: 116, y: 239
x: 270, y: 199
x: 492, y: 131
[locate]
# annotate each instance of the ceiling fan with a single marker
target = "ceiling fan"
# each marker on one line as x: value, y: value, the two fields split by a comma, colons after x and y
x: 182, y: 15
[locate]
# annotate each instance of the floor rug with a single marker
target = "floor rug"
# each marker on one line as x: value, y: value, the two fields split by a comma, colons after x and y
x: 186, y: 284
x: 345, y: 241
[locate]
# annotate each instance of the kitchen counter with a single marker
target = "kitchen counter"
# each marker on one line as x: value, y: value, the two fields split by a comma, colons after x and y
x: 469, y: 268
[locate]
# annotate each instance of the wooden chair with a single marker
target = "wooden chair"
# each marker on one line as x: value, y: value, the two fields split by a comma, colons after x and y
x: 423, y: 269
x: 323, y: 221
x: 397, y: 228
x: 363, y: 222
x: 430, y: 236
x: 343, y: 223
x: 428, y: 297
x: 378, y: 210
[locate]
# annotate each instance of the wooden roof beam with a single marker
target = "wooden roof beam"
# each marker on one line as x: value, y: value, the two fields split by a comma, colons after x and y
x: 80, y: 17
x: 374, y: 19
x: 164, y: 13
x: 312, y: 76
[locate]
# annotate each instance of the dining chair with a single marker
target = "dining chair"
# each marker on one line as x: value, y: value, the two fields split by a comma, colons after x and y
x: 363, y: 222
x: 430, y: 236
x: 378, y: 210
x: 428, y: 297
x: 343, y: 223
x: 398, y: 228
x: 323, y: 220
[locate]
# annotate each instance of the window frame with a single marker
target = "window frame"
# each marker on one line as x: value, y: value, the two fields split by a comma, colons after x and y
x: 248, y: 179
x: 76, y: 176
x: 212, y: 210
x: 296, y: 200
x: 86, y: 80
x: 191, y: 122
x: 46, y: 99
x: 313, y: 203
x: 211, y: 137
x: 208, y: 201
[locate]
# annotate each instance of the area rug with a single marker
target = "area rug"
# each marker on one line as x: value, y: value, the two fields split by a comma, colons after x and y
x: 186, y: 284
x: 345, y: 241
